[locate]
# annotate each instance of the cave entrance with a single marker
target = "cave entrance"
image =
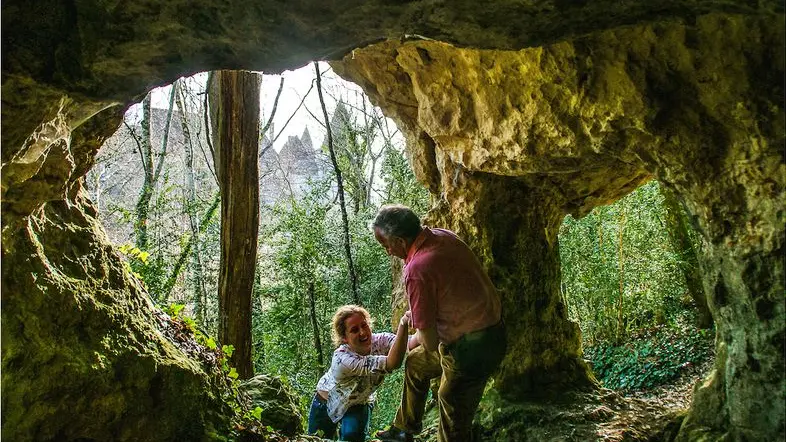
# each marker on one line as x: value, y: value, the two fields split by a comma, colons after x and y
x: 631, y: 278
x: 301, y: 275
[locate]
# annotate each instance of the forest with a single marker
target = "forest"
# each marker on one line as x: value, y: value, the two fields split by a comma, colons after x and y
x: 631, y: 274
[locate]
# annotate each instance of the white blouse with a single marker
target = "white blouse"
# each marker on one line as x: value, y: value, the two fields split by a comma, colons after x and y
x: 353, y: 379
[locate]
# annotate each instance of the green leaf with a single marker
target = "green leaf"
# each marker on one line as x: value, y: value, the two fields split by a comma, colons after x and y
x: 233, y: 373
x: 210, y: 343
x: 174, y: 309
x: 257, y: 413
x: 228, y: 350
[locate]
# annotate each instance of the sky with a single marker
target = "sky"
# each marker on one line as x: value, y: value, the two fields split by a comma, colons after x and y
x: 296, y: 86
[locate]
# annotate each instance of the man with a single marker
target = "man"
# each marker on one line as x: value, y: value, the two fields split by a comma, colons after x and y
x: 456, y: 312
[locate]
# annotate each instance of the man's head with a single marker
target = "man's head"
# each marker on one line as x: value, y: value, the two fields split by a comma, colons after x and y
x: 395, y: 228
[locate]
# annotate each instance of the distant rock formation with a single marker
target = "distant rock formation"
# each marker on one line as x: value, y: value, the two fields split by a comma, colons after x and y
x: 287, y: 173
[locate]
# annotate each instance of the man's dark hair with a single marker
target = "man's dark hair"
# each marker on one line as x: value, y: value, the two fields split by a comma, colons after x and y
x: 397, y: 220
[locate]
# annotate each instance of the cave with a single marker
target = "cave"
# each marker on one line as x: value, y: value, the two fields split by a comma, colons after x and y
x: 515, y: 115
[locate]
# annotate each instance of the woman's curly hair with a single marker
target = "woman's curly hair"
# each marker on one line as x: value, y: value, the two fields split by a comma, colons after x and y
x: 339, y: 331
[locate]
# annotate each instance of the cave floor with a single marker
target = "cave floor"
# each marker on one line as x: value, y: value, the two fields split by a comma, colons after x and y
x: 603, y: 415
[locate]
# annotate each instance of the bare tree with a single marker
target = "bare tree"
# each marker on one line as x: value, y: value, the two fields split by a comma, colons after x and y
x: 315, y: 324
x: 152, y: 172
x: 348, y: 251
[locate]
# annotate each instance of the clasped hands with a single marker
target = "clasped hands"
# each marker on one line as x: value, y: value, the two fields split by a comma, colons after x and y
x: 406, y: 319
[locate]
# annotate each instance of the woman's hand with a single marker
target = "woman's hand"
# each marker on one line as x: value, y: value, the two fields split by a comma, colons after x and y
x: 405, y: 319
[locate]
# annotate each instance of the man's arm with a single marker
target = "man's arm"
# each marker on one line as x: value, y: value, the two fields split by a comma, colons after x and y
x: 422, y: 293
x: 428, y: 338
x: 413, y: 342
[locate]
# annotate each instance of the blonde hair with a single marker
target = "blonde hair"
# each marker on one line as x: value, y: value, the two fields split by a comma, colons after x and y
x: 339, y: 331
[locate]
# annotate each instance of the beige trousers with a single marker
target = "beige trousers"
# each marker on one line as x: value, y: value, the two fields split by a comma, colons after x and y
x: 463, y: 367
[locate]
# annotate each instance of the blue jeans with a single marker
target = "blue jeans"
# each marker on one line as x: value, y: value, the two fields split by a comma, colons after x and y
x: 354, y: 424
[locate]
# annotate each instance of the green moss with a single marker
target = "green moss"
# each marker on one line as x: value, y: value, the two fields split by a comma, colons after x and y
x: 82, y: 356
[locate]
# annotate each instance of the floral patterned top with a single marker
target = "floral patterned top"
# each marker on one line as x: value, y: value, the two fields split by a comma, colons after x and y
x: 353, y: 379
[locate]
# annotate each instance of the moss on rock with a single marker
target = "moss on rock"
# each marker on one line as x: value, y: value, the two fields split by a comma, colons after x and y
x: 280, y: 404
x: 83, y: 353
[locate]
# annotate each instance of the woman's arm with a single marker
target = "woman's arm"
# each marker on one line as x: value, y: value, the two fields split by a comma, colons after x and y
x: 399, y: 347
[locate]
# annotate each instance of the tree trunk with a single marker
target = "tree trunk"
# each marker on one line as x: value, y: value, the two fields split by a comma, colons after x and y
x: 146, y: 153
x: 619, y: 333
x: 187, y: 251
x: 352, y: 274
x: 196, y: 277
x: 152, y: 173
x: 315, y: 324
x: 679, y: 233
x: 236, y: 130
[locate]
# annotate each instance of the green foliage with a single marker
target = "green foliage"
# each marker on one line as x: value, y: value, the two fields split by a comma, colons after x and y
x: 163, y: 240
x: 388, y: 400
x: 302, y: 246
x: 651, y: 358
x: 136, y: 256
x: 401, y: 186
x: 245, y: 420
x: 625, y: 285
x: 619, y: 270
x: 175, y: 311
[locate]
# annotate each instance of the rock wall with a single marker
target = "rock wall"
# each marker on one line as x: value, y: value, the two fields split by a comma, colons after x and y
x: 511, y: 141
x: 83, y: 352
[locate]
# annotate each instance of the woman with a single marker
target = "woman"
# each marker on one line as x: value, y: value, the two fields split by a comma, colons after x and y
x: 345, y: 394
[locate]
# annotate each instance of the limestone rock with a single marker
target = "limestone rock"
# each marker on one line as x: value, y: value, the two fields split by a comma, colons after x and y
x: 511, y: 141
x: 279, y: 402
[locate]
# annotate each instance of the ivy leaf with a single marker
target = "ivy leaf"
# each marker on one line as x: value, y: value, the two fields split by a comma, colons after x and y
x: 210, y: 343
x: 233, y: 373
x: 257, y: 413
x: 228, y: 350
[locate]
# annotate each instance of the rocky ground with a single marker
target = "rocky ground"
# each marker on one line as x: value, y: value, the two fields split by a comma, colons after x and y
x: 606, y: 415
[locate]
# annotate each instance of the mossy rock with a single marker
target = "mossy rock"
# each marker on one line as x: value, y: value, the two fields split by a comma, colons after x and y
x: 279, y: 403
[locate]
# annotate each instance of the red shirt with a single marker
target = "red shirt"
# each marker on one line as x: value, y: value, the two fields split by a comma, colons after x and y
x: 447, y: 286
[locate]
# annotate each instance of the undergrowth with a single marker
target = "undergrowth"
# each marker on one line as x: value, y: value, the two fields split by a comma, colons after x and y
x: 651, y: 358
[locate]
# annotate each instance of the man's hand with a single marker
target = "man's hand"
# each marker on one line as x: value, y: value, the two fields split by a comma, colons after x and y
x: 428, y: 338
